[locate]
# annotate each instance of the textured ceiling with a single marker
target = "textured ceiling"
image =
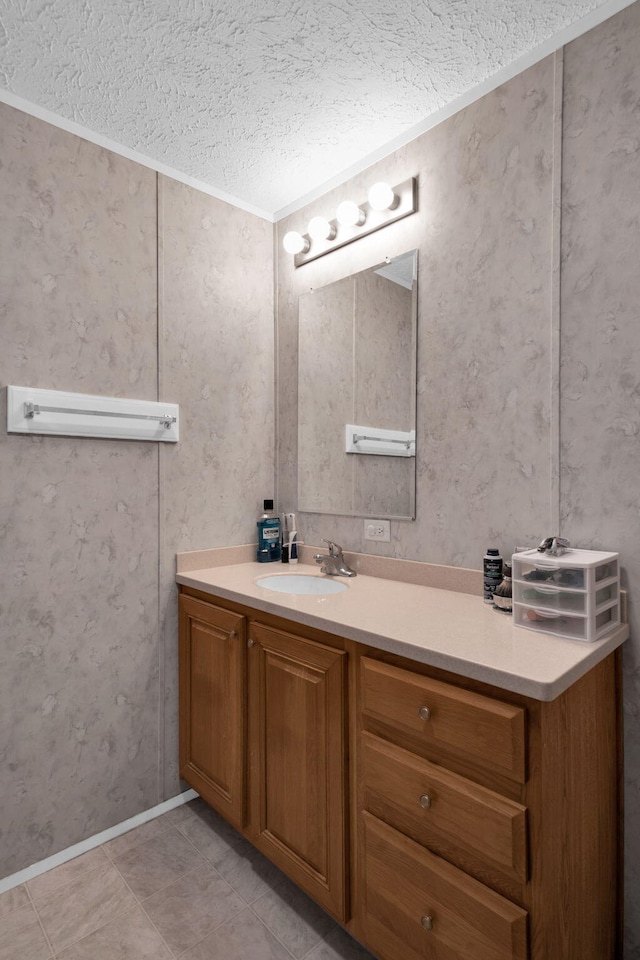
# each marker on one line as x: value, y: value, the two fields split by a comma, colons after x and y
x: 263, y: 100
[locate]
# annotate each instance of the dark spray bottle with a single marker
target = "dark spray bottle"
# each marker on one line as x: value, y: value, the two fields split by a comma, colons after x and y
x: 492, y: 569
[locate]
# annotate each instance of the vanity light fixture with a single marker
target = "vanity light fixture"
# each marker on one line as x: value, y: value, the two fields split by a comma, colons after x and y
x: 320, y: 229
x: 349, y: 214
x: 294, y: 242
x: 382, y: 197
x: 385, y: 205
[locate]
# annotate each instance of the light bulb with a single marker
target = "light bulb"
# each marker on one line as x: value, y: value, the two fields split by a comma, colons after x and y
x: 382, y: 197
x: 294, y: 242
x: 320, y: 229
x: 349, y: 214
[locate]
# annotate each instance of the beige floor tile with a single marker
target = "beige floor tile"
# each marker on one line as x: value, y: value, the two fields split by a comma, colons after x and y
x: 195, y: 808
x: 130, y: 937
x: 212, y: 835
x: 53, y: 880
x: 13, y: 899
x: 249, y: 873
x: 84, y: 905
x: 185, y: 809
x: 296, y: 921
x: 21, y: 936
x: 339, y: 946
x: 133, y: 838
x: 192, y: 907
x: 157, y: 863
x: 244, y: 937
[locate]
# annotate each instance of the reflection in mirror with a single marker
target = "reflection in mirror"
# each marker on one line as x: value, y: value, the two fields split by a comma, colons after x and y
x: 357, y: 366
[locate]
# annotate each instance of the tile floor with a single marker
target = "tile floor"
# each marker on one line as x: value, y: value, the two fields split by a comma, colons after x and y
x: 184, y: 885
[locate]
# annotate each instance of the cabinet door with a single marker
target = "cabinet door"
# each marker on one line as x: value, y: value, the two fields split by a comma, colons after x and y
x: 212, y: 705
x: 298, y: 760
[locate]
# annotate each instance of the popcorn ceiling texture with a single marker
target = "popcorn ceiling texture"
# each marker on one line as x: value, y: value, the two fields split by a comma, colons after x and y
x: 263, y: 99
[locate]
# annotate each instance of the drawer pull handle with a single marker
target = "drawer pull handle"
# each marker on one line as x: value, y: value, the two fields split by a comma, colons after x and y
x: 427, y: 923
x: 425, y: 801
x: 425, y: 713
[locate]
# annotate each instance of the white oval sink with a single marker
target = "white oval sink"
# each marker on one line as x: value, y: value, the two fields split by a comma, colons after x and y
x: 301, y: 583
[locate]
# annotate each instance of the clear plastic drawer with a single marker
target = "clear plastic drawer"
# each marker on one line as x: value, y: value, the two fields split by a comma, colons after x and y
x: 562, y: 599
x: 566, y: 625
x: 575, y: 595
x: 550, y: 574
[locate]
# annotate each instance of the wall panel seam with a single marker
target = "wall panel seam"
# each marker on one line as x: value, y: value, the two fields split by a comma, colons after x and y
x: 556, y: 281
x: 161, y: 632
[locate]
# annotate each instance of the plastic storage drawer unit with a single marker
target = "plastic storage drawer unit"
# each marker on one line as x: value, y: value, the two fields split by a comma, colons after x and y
x: 575, y: 595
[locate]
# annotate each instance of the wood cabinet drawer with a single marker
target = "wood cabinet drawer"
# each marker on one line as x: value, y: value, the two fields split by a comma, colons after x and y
x: 423, y: 711
x: 419, y: 907
x: 471, y: 826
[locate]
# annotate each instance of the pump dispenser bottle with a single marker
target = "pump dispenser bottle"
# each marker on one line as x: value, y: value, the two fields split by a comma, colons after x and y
x: 268, y: 535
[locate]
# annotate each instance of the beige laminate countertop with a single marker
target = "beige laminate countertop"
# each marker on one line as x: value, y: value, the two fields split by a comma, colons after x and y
x: 453, y: 631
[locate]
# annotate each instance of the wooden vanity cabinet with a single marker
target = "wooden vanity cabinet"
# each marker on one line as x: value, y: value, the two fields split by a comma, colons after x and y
x: 486, y: 821
x: 263, y: 738
x: 438, y: 818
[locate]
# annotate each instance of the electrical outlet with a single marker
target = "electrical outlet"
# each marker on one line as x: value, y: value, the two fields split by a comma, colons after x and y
x: 377, y: 530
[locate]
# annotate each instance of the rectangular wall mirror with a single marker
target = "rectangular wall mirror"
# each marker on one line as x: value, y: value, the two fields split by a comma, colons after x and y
x: 357, y: 366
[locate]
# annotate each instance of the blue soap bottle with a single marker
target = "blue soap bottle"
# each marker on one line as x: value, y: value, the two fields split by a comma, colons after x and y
x: 268, y: 535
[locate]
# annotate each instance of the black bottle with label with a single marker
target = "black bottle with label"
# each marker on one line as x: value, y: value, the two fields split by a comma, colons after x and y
x: 492, y: 573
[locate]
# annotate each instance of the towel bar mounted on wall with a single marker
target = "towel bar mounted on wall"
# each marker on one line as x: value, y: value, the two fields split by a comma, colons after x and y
x: 358, y: 437
x: 380, y: 442
x: 31, y: 410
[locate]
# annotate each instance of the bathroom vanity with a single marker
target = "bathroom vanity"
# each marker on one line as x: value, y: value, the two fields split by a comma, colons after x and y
x: 444, y: 784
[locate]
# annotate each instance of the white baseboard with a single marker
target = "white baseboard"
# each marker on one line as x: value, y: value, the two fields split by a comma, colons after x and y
x: 97, y: 840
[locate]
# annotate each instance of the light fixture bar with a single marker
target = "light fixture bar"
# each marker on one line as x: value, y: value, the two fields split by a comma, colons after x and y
x: 407, y: 193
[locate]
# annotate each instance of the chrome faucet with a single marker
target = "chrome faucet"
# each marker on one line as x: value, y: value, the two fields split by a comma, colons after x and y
x: 333, y: 563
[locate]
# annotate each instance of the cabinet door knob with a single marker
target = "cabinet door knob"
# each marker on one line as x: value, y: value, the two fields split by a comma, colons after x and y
x: 425, y: 801
x: 233, y: 633
x: 425, y: 713
x: 250, y: 643
x: 427, y: 923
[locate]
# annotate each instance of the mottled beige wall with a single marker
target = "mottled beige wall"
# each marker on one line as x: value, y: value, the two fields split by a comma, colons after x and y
x: 89, y: 528
x: 529, y: 333
x: 600, y: 348
x: 483, y: 231
x: 216, y: 319
x: 79, y: 688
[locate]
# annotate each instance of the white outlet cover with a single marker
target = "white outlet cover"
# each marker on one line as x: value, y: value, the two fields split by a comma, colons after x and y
x: 377, y: 530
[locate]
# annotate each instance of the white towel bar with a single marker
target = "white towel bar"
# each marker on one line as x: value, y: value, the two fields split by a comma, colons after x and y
x: 53, y: 412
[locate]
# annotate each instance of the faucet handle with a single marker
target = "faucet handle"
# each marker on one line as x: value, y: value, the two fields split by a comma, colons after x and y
x: 335, y: 550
